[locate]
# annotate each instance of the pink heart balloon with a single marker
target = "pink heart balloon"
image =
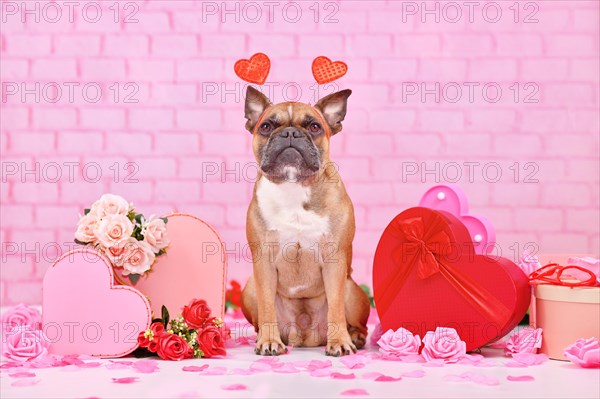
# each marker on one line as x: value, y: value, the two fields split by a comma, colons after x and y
x: 453, y: 199
x: 194, y: 267
x: 84, y: 313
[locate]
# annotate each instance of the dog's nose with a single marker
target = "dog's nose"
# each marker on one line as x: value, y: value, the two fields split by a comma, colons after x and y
x: 290, y: 132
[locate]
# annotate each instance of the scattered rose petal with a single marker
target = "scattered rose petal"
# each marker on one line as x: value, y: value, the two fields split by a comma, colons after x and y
x: 321, y: 373
x: 355, y: 361
x: 319, y: 364
x: 435, y: 363
x: 89, y: 365
x: 287, y: 368
x: 372, y: 375
x: 214, y: 371
x: 530, y: 359
x: 243, y: 372
x: 125, y: 380
x: 234, y: 387
x: 146, y: 366
x: 301, y: 363
x: 341, y: 376
x: 261, y: 366
x: 21, y: 374
x: 355, y: 392
x: 116, y: 366
x: 520, y: 378
x: 195, y: 368
x: 24, y: 383
x: 414, y: 374
x: 387, y: 378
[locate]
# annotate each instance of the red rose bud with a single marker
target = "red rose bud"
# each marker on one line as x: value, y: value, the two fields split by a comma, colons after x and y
x: 173, y: 347
x: 157, y: 328
x: 196, y: 313
x: 143, y: 339
x: 211, y: 342
x: 153, y: 345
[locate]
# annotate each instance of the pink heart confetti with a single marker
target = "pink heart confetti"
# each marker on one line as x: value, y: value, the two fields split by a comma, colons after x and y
x: 520, y: 378
x: 387, y: 378
x: 146, y: 366
x: 125, y: 380
x: 341, y: 376
x: 22, y: 374
x: 24, y: 383
x: 234, y: 387
x: 414, y: 374
x: 195, y: 368
x: 355, y: 392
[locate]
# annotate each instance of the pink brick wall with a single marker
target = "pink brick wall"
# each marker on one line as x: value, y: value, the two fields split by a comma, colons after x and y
x: 177, y: 56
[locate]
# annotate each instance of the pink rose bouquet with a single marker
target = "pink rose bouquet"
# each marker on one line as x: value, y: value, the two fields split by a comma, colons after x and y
x: 126, y: 237
x: 443, y: 343
x: 399, y: 343
x: 584, y: 353
x: 524, y: 340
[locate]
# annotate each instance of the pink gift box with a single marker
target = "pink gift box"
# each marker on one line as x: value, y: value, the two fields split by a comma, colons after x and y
x: 566, y: 314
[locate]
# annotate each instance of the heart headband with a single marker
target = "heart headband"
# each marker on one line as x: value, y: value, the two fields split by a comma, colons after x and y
x: 256, y: 69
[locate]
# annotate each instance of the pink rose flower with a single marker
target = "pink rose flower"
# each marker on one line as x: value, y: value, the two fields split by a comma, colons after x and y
x: 109, y: 204
x: 139, y: 257
x: 584, y: 353
x: 376, y: 334
x: 20, y: 316
x: 443, y: 344
x: 86, y: 228
x: 117, y: 254
x: 589, y: 263
x: 155, y: 233
x: 524, y: 340
x: 114, y: 230
x: 399, y: 343
x: 22, y: 344
x: 529, y: 263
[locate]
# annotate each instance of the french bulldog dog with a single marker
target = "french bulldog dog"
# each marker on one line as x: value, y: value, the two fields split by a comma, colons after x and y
x: 300, y: 227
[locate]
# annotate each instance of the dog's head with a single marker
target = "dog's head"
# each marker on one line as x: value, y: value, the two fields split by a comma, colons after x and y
x: 291, y: 139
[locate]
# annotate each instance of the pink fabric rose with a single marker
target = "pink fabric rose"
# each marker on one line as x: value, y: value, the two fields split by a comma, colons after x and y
x: 399, y: 343
x: 584, y: 353
x: 376, y: 334
x: 109, y: 204
x: 114, y: 230
x: 20, y: 316
x: 155, y: 233
x: 443, y: 344
x: 529, y: 263
x: 139, y: 257
x: 524, y: 340
x: 86, y: 228
x: 589, y: 263
x: 22, y: 344
x: 117, y: 254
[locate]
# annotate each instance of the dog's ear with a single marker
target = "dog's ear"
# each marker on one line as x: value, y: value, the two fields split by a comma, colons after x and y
x: 256, y: 103
x: 333, y: 108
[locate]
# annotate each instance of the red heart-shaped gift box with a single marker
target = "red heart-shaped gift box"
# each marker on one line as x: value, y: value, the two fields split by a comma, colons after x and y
x: 426, y: 275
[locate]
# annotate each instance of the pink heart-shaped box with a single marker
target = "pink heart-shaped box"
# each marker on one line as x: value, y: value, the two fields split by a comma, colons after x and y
x: 452, y: 199
x: 194, y: 267
x: 84, y: 313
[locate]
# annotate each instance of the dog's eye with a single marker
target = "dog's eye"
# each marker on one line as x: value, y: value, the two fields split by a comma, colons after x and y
x: 314, y: 127
x: 265, y: 128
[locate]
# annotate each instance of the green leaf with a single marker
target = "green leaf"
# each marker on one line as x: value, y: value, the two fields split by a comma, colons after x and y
x: 134, y: 278
x: 157, y: 320
x: 165, y: 315
x: 367, y: 291
x: 80, y: 242
x: 164, y: 220
x: 138, y: 218
x: 86, y: 211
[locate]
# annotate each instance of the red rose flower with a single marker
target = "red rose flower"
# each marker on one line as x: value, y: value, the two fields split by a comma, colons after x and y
x: 211, y: 342
x: 196, y: 313
x: 153, y: 345
x: 173, y: 347
x: 143, y: 340
x: 146, y: 340
x: 157, y: 328
x: 234, y: 295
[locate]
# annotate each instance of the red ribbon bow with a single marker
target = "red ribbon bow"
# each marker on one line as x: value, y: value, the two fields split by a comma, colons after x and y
x: 427, y: 245
x: 552, y: 274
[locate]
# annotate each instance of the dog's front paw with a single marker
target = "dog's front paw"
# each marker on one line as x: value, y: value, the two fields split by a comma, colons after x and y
x: 270, y: 347
x: 339, y: 345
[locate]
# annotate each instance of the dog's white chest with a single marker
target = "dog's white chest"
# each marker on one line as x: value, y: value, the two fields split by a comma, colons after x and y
x: 282, y: 208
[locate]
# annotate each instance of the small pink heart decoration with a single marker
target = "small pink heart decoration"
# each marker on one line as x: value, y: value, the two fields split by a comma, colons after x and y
x: 193, y: 267
x: 453, y: 199
x: 84, y: 313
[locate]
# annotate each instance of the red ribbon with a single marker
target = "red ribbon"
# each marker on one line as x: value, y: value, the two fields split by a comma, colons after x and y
x: 552, y: 274
x: 426, y: 245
